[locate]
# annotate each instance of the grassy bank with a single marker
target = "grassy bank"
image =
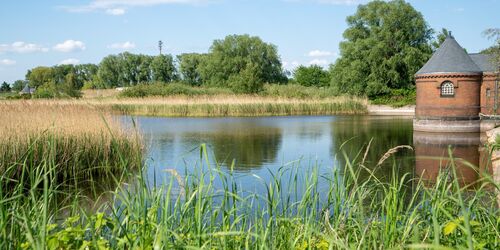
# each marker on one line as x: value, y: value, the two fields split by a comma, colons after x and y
x: 175, y: 100
x: 274, y: 100
x: 296, y: 212
x: 73, y: 137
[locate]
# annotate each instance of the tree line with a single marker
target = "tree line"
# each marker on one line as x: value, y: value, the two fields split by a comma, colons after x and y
x: 385, y: 44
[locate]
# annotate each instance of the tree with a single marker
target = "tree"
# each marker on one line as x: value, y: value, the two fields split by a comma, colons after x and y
x: 385, y: 45
x: 494, y: 51
x: 5, y: 87
x: 109, y: 71
x: 189, y: 67
x: 127, y: 69
x: 40, y: 76
x: 313, y: 75
x: 18, y: 85
x: 241, y: 62
x: 86, y: 73
x: 163, y: 68
x: 440, y: 38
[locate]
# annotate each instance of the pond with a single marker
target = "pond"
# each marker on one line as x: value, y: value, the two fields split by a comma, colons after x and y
x: 260, y: 146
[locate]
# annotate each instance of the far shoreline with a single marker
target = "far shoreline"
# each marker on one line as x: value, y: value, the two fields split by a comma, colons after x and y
x: 386, y: 110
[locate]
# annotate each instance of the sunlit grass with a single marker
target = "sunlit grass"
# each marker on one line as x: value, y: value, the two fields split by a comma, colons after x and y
x: 219, y: 105
x: 68, y: 135
x: 242, y: 105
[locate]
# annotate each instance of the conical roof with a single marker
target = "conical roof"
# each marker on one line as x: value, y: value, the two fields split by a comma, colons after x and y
x: 449, y: 58
x: 26, y: 89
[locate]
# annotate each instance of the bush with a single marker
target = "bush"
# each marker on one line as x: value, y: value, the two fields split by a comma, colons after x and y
x: 19, y: 97
x: 50, y: 91
x: 397, y: 98
x: 170, y: 89
x: 92, y: 85
x: 313, y: 75
x: 297, y: 91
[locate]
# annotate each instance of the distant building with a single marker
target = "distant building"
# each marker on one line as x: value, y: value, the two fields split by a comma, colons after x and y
x: 27, y: 90
x: 454, y: 88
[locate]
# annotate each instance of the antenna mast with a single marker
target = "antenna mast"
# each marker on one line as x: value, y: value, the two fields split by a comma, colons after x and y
x: 160, y: 45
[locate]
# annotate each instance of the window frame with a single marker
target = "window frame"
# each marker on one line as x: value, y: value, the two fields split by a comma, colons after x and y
x: 441, y: 88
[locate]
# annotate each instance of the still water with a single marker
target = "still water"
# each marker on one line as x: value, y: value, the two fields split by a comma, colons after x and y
x: 259, y: 146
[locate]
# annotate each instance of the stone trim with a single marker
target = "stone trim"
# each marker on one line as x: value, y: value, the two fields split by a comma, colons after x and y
x: 447, y: 75
x: 442, y: 126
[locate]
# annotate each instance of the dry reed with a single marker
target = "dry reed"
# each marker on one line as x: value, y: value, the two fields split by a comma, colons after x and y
x: 234, y: 105
x: 70, y: 134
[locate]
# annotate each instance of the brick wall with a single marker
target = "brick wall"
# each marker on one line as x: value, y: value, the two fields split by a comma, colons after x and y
x: 488, y: 94
x: 465, y: 104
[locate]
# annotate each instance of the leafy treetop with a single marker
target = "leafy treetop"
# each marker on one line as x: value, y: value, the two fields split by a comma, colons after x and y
x: 385, y: 45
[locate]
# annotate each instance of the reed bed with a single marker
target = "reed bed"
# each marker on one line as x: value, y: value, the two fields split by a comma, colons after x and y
x: 297, y: 210
x: 237, y: 105
x: 215, y: 106
x: 73, y: 137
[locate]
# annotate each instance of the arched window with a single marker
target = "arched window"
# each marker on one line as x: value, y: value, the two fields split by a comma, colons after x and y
x: 447, y: 89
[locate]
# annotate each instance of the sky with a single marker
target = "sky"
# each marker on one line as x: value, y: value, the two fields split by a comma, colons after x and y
x: 45, y: 33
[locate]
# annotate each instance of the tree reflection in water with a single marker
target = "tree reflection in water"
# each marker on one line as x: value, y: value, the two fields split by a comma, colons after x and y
x: 250, y: 147
x: 352, y: 135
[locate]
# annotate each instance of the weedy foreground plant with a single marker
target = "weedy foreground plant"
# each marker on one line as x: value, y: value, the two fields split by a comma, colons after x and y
x: 297, y: 210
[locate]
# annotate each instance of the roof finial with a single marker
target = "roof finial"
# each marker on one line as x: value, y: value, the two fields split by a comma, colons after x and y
x: 450, y: 35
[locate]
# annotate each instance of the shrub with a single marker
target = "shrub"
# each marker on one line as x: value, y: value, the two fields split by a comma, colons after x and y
x: 171, y: 89
x: 297, y: 91
x: 313, y: 75
x: 92, y: 85
x: 397, y: 98
x: 46, y: 91
x: 51, y: 91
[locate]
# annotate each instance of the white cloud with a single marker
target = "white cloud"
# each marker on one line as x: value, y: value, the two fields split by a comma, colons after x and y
x: 117, y: 7
x: 7, y: 62
x: 22, y: 47
x: 69, y: 46
x: 70, y: 61
x: 123, y: 46
x: 320, y: 62
x: 320, y: 53
x: 115, y: 11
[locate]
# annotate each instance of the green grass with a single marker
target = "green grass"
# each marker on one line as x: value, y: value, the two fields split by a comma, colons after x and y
x: 295, y: 212
x: 79, y: 156
x: 297, y: 91
x: 6, y: 95
x: 270, y: 90
x: 170, y: 89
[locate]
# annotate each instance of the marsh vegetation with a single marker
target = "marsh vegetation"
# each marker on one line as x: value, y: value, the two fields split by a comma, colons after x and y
x: 298, y: 210
x: 76, y: 138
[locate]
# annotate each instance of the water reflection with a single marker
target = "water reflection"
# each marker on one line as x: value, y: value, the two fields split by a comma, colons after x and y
x: 353, y: 134
x: 261, y: 145
x: 249, y: 147
x: 434, y: 152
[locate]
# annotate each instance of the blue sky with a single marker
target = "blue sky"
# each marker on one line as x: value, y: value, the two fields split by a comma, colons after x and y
x: 34, y: 33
